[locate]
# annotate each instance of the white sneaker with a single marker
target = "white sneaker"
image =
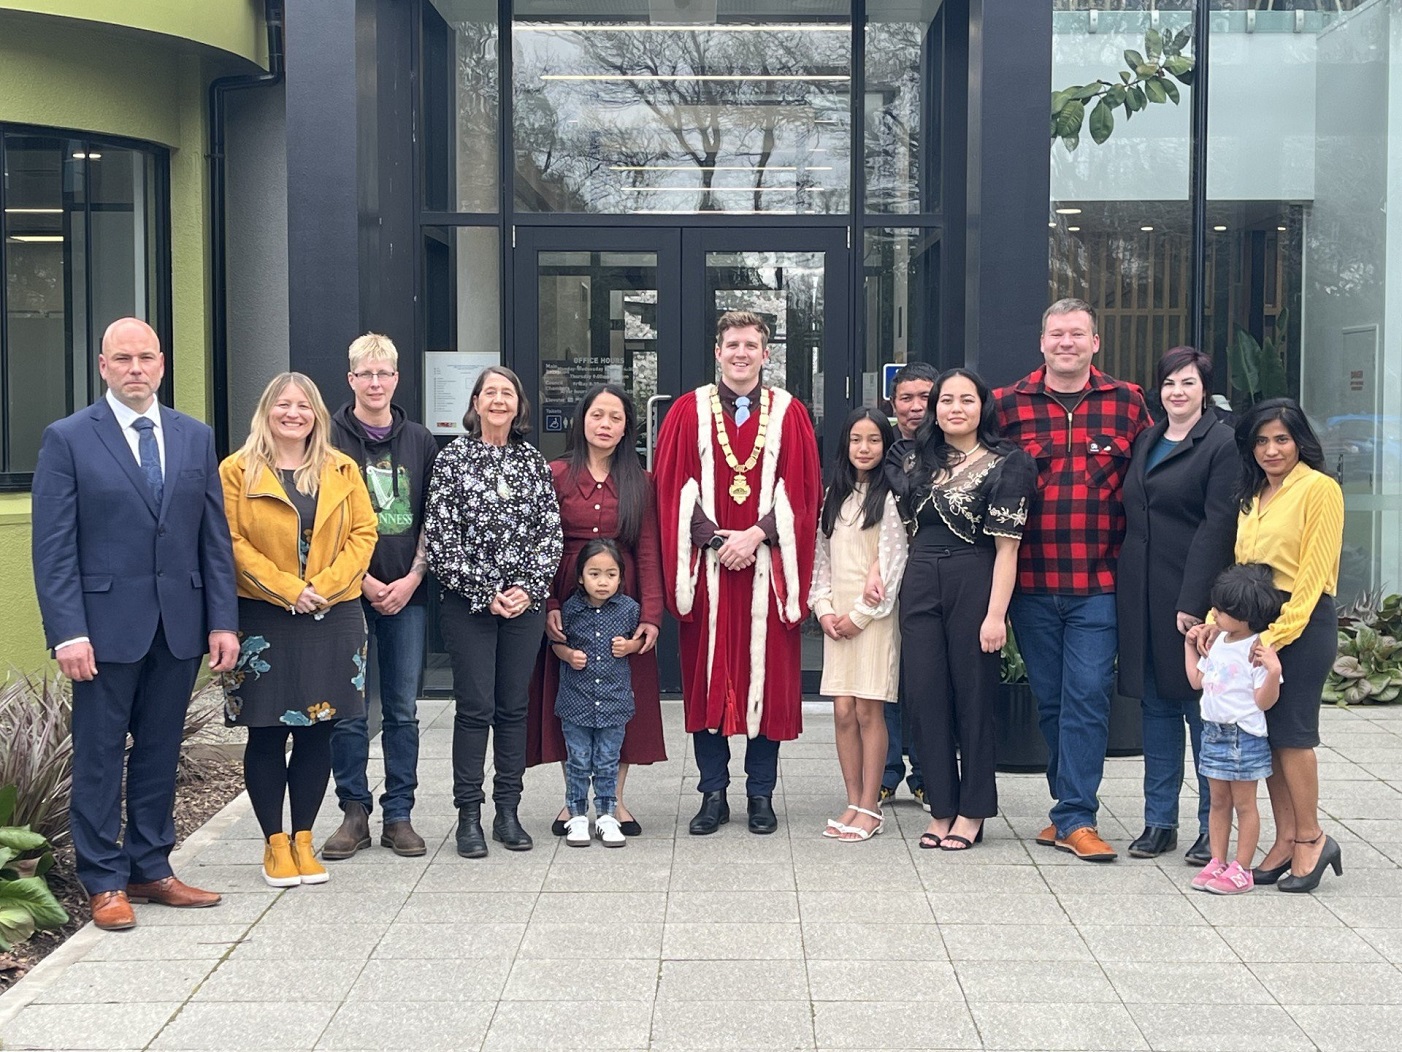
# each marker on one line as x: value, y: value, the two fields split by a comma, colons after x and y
x: 610, y: 832
x: 577, y: 831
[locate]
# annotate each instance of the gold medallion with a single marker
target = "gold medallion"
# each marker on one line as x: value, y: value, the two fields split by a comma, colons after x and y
x: 740, y: 489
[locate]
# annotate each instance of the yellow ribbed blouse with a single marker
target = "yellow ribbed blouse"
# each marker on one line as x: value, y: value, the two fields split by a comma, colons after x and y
x: 1299, y: 536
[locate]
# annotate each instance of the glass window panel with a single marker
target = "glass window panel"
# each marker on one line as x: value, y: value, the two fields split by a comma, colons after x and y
x: 743, y: 108
x: 471, y: 95
x: 900, y: 286
x: 902, y: 75
x: 1305, y: 244
x: 1120, y: 220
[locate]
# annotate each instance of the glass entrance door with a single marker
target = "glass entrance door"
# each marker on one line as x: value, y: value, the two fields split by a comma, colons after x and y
x: 639, y: 307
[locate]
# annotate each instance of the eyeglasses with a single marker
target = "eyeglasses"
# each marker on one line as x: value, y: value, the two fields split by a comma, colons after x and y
x: 379, y: 377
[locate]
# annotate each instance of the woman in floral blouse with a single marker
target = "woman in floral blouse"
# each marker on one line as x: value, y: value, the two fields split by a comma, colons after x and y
x: 492, y: 527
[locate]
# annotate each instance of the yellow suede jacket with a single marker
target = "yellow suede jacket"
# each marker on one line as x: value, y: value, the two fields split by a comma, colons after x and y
x: 265, y: 531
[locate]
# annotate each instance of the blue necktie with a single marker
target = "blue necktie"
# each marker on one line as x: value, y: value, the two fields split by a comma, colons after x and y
x: 742, y: 410
x: 150, y: 456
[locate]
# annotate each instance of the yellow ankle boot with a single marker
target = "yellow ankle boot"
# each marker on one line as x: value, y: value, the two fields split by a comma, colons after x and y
x: 310, y: 870
x: 278, y: 868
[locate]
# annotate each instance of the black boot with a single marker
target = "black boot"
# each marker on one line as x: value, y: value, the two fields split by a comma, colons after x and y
x: 762, y: 818
x: 1153, y: 842
x: 471, y: 842
x: 1200, y: 854
x: 506, y: 827
x: 714, y: 813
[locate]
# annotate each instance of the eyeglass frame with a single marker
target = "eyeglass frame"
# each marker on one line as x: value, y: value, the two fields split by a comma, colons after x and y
x: 375, y: 376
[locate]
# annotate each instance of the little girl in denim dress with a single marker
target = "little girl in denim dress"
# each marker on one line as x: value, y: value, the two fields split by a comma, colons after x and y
x: 1239, y: 678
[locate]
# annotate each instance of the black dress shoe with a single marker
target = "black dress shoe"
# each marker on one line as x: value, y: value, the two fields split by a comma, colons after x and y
x: 506, y: 827
x: 1262, y: 875
x: 714, y: 813
x: 762, y: 818
x: 471, y: 842
x: 557, y: 827
x: 1153, y: 842
x: 630, y: 828
x: 1200, y: 854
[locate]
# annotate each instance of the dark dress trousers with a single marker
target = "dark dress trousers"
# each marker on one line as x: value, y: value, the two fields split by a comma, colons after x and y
x: 146, y: 584
x: 1181, y: 529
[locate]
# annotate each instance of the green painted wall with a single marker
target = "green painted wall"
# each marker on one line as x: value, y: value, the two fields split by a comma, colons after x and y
x: 75, y: 73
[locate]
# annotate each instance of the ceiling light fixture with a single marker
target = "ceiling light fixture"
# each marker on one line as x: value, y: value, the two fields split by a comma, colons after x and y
x: 1146, y: 229
x: 1281, y: 229
x: 1068, y: 211
x: 32, y: 239
x: 1219, y: 229
x: 34, y: 211
x: 1074, y: 229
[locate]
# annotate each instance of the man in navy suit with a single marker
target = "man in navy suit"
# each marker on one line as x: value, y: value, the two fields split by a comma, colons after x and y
x: 135, y: 575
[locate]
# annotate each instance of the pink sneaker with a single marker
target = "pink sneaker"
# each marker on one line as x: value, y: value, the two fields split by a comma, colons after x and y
x: 1208, y: 872
x: 1231, y: 881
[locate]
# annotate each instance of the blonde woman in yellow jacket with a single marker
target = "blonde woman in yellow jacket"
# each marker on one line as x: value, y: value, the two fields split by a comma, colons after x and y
x: 303, y: 532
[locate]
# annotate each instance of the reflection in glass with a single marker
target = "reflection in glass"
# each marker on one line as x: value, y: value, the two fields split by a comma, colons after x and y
x: 1120, y: 220
x: 900, y: 286
x: 597, y: 324
x: 636, y: 117
x: 902, y: 55
x: 470, y: 47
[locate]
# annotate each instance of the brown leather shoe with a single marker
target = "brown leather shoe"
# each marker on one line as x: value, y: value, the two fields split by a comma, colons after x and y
x: 111, y: 911
x: 1085, y: 843
x: 400, y: 838
x: 171, y: 891
x: 1047, y: 837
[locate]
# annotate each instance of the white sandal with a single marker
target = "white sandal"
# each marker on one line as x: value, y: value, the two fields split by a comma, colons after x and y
x: 859, y: 834
x: 835, y: 828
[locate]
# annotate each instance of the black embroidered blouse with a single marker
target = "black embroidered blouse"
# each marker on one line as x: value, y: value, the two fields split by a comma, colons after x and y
x: 988, y: 499
x: 492, y: 521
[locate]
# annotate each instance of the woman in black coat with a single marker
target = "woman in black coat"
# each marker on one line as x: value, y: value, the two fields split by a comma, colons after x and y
x: 1181, y: 527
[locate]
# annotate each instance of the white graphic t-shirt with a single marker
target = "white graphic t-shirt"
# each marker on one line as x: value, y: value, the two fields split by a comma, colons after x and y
x: 1229, y: 683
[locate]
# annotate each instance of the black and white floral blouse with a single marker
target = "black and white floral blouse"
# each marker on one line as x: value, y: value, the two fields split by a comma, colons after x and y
x: 988, y: 499
x: 492, y: 521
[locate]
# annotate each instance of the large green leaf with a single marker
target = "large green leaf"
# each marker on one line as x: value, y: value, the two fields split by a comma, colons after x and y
x: 1133, y: 59
x: 1135, y: 101
x: 1185, y: 79
x: 21, y: 838
x: 1243, y: 355
x: 1153, y: 44
x: 1068, y: 121
x: 8, y: 795
x: 1060, y: 98
x: 16, y: 925
x: 1170, y: 88
x: 1177, y: 64
x: 34, y: 895
x: 1153, y: 87
x: 1274, y: 383
x: 1102, y: 121
x: 1071, y: 142
x: 1090, y: 91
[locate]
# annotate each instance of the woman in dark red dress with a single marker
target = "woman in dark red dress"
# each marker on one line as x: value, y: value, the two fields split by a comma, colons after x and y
x: 604, y: 492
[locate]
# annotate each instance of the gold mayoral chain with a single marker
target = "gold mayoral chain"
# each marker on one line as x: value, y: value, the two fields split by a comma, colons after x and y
x: 740, y: 485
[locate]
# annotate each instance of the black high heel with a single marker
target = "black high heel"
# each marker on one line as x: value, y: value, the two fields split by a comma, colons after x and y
x: 1262, y: 875
x: 1329, y: 856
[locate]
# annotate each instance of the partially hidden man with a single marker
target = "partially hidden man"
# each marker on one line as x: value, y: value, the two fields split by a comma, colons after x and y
x: 134, y: 571
x: 738, y: 489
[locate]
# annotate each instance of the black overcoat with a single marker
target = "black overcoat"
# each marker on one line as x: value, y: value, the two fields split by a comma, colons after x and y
x: 1180, y: 534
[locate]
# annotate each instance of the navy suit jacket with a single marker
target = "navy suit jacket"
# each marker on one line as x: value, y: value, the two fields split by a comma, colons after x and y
x: 111, y: 565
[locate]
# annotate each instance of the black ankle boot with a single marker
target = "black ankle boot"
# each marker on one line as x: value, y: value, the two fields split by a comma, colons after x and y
x: 471, y: 842
x: 506, y: 827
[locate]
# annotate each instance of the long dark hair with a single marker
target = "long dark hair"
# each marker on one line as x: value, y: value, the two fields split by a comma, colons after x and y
x: 933, y: 455
x: 1252, y: 479
x: 842, y: 475
x: 520, y: 427
x: 629, y: 479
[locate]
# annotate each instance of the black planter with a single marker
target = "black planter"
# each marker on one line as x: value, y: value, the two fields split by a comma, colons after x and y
x: 1126, y: 727
x: 1021, y: 748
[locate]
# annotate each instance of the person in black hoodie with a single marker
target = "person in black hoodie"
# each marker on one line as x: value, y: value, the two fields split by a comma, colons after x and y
x: 396, y: 456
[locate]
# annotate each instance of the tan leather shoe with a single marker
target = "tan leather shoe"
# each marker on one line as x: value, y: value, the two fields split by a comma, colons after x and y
x: 111, y: 911
x: 171, y: 891
x: 1085, y: 843
x: 1047, y: 837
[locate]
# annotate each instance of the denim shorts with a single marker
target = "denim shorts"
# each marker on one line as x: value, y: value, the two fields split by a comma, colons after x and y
x: 1231, y: 754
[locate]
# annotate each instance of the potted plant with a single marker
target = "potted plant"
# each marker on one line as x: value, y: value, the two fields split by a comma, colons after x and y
x: 1368, y: 670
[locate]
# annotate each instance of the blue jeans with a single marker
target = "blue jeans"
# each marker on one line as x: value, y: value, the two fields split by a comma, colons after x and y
x: 399, y: 653
x: 591, y: 751
x: 1164, y: 719
x: 895, y: 765
x: 1069, y: 644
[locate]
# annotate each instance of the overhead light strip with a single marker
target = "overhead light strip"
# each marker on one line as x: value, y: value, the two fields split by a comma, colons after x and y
x: 712, y: 168
x: 670, y: 77
x: 34, y: 211
x: 568, y: 27
x: 30, y: 239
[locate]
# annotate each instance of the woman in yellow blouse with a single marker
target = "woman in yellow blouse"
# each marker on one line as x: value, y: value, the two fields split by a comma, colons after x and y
x: 1292, y: 519
x: 303, y: 532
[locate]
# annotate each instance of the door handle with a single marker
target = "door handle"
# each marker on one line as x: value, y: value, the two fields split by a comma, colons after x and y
x: 652, y: 404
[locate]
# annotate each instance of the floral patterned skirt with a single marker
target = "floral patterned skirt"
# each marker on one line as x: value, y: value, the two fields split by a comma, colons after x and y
x: 294, y: 670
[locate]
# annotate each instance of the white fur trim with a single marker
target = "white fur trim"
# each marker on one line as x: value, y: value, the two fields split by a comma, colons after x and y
x: 687, y: 561
x: 789, y: 604
x: 707, y: 495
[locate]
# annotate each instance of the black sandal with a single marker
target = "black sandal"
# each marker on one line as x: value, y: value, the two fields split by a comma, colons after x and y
x: 964, y: 842
x: 930, y: 841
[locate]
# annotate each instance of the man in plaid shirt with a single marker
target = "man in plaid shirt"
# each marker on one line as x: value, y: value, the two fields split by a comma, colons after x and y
x: 1078, y: 423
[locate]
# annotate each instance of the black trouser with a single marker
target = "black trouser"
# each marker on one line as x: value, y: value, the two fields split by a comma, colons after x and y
x: 147, y: 698
x: 951, y: 684
x: 493, y: 658
x: 271, y: 775
x: 713, y: 763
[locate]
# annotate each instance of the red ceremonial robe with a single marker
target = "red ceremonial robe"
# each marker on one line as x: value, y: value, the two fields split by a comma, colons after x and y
x: 741, y: 649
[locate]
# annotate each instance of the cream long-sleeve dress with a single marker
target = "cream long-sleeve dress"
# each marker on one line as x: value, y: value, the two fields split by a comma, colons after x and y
x: 868, y: 666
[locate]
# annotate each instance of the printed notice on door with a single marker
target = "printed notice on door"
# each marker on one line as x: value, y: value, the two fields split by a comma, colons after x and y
x: 448, y: 380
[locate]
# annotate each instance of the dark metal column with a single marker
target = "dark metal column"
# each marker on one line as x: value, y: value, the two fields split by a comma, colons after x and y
x: 1008, y: 186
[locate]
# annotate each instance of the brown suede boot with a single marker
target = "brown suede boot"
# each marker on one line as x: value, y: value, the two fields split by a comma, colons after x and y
x: 353, y: 835
x: 400, y: 838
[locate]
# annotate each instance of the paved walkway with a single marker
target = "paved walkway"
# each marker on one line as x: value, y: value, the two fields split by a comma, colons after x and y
x: 737, y: 941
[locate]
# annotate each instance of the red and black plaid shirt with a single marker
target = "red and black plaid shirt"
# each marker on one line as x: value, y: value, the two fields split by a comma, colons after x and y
x: 1077, y: 522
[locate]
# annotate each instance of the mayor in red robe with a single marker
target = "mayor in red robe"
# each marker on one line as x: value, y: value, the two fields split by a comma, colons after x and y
x: 738, y: 489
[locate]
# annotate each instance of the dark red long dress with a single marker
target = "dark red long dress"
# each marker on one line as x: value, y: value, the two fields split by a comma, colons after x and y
x: 588, y: 510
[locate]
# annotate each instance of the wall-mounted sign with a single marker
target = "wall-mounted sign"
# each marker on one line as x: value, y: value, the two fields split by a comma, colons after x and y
x: 448, y: 380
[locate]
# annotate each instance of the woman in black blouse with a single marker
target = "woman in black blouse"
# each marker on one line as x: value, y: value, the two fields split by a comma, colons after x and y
x: 492, y: 528
x: 964, y: 490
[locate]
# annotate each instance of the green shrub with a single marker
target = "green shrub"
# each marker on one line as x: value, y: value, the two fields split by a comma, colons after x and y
x: 26, y: 903
x: 1368, y: 670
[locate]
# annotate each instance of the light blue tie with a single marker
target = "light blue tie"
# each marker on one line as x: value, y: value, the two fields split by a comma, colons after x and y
x: 150, y: 456
x: 742, y: 410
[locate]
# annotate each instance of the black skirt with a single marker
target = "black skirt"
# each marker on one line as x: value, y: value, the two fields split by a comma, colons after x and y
x: 295, y: 670
x: 1293, y: 721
